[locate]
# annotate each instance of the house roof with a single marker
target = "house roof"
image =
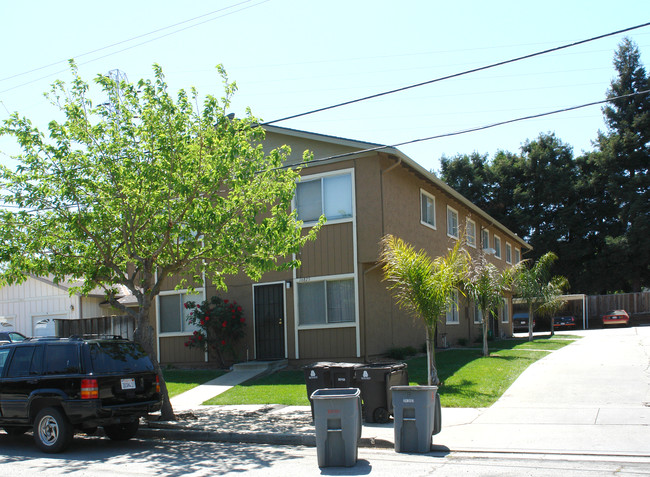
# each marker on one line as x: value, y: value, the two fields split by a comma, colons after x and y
x: 368, y: 148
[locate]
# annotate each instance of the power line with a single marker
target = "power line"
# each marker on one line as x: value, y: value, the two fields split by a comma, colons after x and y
x: 456, y: 75
x: 463, y: 131
x: 132, y: 46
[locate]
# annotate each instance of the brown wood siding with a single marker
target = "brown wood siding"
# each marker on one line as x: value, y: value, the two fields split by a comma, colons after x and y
x: 339, y: 343
x: 173, y: 350
x: 332, y: 253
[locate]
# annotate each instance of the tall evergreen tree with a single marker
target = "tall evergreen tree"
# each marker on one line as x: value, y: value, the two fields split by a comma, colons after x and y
x: 620, y: 171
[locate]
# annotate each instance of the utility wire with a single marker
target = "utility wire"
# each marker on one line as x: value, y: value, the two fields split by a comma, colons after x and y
x: 456, y: 75
x: 132, y: 46
x: 413, y: 141
x: 463, y: 131
x: 123, y: 41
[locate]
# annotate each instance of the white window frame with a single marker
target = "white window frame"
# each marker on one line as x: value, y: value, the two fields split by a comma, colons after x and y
x: 454, y: 212
x: 505, y: 312
x: 517, y: 255
x: 508, y: 253
x: 485, y: 244
x: 471, y: 243
x: 327, y: 278
x: 424, y: 194
x: 190, y: 328
x: 497, y: 248
x: 320, y: 177
x: 453, y: 312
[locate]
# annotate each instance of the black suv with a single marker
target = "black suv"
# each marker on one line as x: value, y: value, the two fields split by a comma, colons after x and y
x: 57, y: 386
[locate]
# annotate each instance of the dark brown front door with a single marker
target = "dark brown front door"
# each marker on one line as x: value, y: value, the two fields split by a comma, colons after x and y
x: 269, y: 321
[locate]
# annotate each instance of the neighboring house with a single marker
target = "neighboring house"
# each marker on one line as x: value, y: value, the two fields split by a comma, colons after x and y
x: 336, y: 305
x: 35, y: 306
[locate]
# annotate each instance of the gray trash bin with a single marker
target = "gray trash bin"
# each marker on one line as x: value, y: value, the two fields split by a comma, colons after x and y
x: 415, y: 412
x: 337, y: 417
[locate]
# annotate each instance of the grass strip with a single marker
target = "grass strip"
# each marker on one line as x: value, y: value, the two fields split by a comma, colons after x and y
x: 469, y: 379
x: 181, y: 380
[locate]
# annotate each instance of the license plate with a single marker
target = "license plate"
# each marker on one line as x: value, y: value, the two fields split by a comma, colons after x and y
x: 128, y: 383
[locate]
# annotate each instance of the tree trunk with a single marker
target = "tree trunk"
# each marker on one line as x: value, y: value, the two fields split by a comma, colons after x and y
x: 486, y: 352
x: 144, y: 336
x: 432, y: 369
x: 530, y: 322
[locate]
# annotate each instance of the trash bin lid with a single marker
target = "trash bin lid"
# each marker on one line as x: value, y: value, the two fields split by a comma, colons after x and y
x: 336, y: 393
x: 414, y: 388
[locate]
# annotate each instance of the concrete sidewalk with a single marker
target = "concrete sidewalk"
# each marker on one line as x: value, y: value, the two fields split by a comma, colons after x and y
x: 589, y: 398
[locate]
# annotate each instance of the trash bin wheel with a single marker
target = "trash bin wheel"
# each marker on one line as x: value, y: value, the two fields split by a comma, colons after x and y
x: 381, y: 415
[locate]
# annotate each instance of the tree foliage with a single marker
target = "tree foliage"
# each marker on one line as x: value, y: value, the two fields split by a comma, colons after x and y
x: 141, y: 186
x: 592, y: 211
x: 487, y: 285
x: 541, y: 291
x: 423, y: 286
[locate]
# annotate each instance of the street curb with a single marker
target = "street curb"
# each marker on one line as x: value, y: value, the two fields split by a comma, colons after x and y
x: 274, y: 438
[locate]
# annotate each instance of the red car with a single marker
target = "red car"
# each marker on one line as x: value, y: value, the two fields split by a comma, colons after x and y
x: 616, y: 317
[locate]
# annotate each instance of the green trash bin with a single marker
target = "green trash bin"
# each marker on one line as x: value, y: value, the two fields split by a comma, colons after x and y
x: 375, y: 381
x: 337, y: 417
x: 417, y: 417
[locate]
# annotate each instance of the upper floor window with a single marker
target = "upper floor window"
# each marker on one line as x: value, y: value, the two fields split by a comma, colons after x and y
x: 497, y: 246
x: 452, y: 222
x: 485, y: 239
x: 330, y: 196
x: 508, y: 253
x: 517, y: 255
x: 471, y: 233
x: 427, y: 209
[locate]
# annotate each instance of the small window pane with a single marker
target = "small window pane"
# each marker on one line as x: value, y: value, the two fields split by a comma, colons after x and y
x: 340, y: 301
x: 338, y: 196
x: 452, y: 223
x: 21, y: 362
x: 170, y: 309
x: 62, y: 359
x: 485, y: 239
x: 497, y: 247
x: 196, y: 298
x: 428, y: 210
x: 471, y: 233
x: 309, y: 200
x: 311, y: 303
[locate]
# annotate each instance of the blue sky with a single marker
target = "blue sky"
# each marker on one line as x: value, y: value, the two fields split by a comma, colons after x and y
x: 290, y: 56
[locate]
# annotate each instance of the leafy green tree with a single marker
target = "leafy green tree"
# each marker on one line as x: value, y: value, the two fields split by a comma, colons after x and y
x: 142, y: 187
x: 423, y: 286
x: 620, y: 171
x: 486, y: 285
x: 541, y: 291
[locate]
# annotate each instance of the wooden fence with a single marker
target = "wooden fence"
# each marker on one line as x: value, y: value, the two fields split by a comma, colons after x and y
x: 123, y: 326
x: 637, y: 306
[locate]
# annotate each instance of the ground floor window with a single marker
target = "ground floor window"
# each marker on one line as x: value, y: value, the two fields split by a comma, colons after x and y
x: 453, y: 317
x: 505, y: 311
x: 326, y: 301
x: 173, y: 314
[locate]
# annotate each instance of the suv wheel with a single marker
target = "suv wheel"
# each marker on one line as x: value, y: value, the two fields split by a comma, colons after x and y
x: 122, y: 432
x: 52, y: 430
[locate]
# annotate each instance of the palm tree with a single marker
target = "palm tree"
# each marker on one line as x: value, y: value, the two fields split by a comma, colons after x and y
x: 423, y: 286
x: 541, y: 292
x: 485, y: 285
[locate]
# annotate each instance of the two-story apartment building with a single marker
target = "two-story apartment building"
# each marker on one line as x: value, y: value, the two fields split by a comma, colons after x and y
x: 336, y: 305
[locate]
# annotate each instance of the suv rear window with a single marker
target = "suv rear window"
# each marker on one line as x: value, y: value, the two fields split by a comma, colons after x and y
x: 116, y: 357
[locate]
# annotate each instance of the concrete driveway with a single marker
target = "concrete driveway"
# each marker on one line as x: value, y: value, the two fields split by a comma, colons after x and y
x: 592, y: 397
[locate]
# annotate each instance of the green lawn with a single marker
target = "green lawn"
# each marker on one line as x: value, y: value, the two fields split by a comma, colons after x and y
x: 469, y: 379
x: 181, y: 380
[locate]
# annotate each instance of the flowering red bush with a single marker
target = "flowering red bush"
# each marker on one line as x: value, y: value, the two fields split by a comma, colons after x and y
x: 221, y: 324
